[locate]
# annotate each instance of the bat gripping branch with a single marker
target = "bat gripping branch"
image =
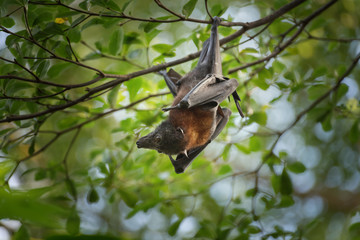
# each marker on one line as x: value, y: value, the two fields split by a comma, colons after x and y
x: 216, y: 21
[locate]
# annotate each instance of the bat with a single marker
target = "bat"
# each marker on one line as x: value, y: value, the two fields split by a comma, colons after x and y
x: 195, y: 117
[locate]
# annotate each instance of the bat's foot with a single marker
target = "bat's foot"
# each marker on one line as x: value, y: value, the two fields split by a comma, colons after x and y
x: 162, y: 72
x: 216, y: 20
x: 170, y: 108
x: 184, y: 104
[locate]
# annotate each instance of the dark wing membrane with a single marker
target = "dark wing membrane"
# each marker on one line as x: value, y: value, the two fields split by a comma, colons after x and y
x: 171, y: 77
x: 210, y: 90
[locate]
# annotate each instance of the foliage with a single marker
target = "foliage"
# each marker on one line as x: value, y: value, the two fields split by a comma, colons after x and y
x: 79, y: 84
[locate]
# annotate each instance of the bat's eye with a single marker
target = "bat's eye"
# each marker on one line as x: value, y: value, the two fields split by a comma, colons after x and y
x: 158, y: 139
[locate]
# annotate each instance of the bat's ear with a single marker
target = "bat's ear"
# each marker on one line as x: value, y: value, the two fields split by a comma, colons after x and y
x: 179, y: 129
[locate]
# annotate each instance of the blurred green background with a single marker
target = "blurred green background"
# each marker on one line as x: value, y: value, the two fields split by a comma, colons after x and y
x: 288, y: 170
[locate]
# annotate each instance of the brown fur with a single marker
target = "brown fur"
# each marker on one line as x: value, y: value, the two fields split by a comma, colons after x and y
x: 198, y: 124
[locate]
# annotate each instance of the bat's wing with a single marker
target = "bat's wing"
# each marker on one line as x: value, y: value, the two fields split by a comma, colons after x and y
x: 209, y: 92
x: 171, y: 78
x: 182, y: 162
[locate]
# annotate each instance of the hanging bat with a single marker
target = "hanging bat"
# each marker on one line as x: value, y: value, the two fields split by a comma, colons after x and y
x: 195, y: 117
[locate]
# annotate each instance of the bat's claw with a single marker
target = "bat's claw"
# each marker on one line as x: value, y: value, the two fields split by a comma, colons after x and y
x: 184, y: 104
x: 239, y: 109
x: 217, y: 20
x: 169, y: 108
x: 162, y: 72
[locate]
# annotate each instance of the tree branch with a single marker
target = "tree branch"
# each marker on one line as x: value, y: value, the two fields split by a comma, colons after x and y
x: 283, y: 46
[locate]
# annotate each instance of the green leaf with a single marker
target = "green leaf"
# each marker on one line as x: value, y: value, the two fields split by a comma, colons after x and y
x: 15, y: 106
x: 296, y: 167
x: 316, y: 91
x: 290, y: 76
x: 145, y: 206
x: 129, y: 197
x: 73, y: 223
x: 286, y: 201
x: 7, y: 22
x: 218, y: 10
x: 82, y: 237
x: 149, y: 26
x: 326, y: 122
x: 133, y: 87
x: 150, y: 36
x: 275, y: 182
x: 92, y: 196
x: 249, y: 50
x: 5, y: 168
x: 319, y: 72
x: 20, y: 206
x: 42, y: 68
x: 4, y: 131
x: 71, y: 188
x: 22, y: 234
x: 272, y: 159
x: 179, y: 42
x: 260, y: 82
x: 226, y: 151
x: 56, y: 69
x: 223, y: 233
x: 40, y: 174
x: 253, y: 229
x: 53, y: 28
x: 255, y: 144
x: 67, y: 122
x: 112, y: 5
x: 243, y: 148
x: 91, y: 56
x: 11, y: 40
x: 74, y: 35
x: 91, y: 22
x: 354, y: 133
x: 225, y: 169
x: 279, y: 26
x: 285, y: 183
x: 207, y: 230
x: 127, y: 125
x: 269, y: 201
x: 278, y: 66
x: 32, y: 147
x: 355, y: 228
x: 162, y: 48
x: 123, y: 8
x: 251, y: 192
x: 116, y: 42
x: 112, y: 96
x: 174, y: 227
x: 341, y: 91
x: 258, y: 117
x: 189, y: 8
x: 85, y: 5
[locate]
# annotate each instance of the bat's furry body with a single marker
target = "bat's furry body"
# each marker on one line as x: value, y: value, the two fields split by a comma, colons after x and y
x: 195, y: 116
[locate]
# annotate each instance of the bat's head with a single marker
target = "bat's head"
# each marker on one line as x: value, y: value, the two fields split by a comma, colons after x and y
x: 165, y: 139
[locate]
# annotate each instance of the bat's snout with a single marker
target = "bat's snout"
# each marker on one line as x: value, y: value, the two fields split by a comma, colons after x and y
x: 145, y: 142
x: 138, y: 144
